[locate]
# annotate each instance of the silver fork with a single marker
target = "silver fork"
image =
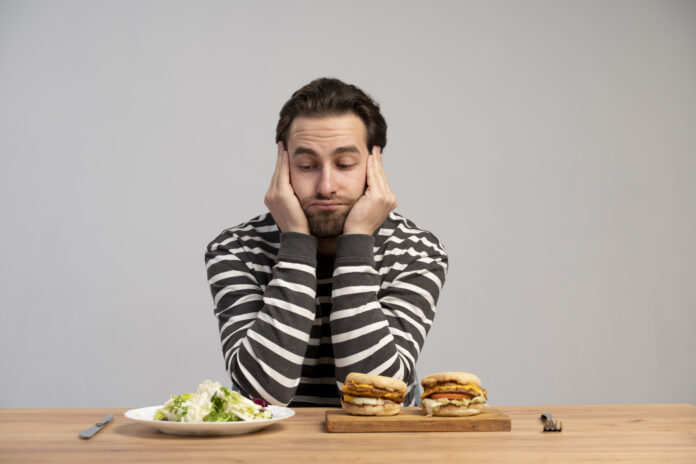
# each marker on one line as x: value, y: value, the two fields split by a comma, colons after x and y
x: 551, y: 425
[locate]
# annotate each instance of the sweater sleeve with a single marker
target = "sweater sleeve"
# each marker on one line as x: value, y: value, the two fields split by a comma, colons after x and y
x: 264, y: 329
x: 379, y: 327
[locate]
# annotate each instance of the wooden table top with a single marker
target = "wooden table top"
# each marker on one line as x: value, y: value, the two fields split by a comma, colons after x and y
x: 599, y: 433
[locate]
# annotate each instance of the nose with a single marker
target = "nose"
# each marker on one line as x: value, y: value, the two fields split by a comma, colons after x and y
x: 327, y: 183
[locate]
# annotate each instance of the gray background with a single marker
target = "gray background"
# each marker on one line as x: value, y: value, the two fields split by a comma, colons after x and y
x: 549, y: 144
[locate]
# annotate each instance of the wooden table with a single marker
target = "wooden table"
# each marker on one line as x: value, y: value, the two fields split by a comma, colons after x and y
x: 611, y: 433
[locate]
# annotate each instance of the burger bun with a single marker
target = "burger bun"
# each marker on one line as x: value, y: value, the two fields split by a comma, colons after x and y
x: 453, y: 410
x: 389, y: 408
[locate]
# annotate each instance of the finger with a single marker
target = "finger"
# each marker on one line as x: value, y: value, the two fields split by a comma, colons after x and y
x: 379, y: 177
x: 278, y: 158
x: 276, y: 169
x: 280, y: 178
x: 377, y: 153
x: 281, y: 150
x: 284, y: 174
x: 380, y: 164
x: 387, y: 189
x: 370, y: 178
x: 382, y: 172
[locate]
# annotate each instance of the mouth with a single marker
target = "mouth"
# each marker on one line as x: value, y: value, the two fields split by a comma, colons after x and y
x: 326, y: 205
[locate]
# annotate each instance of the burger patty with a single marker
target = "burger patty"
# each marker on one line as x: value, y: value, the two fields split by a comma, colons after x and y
x: 457, y: 389
x: 372, y: 392
x: 451, y: 396
x: 451, y: 387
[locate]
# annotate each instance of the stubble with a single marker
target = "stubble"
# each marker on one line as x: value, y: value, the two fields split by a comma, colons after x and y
x: 327, y: 223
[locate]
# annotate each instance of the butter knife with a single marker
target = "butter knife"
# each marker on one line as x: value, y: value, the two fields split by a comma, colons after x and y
x: 89, y: 433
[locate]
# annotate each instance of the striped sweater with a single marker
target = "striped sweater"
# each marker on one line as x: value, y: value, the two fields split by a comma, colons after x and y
x: 294, y: 323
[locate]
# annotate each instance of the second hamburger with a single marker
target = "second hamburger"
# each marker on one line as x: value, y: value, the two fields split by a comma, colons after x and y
x: 372, y: 395
x: 453, y: 394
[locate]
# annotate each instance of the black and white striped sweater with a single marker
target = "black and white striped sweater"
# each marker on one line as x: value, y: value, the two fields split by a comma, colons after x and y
x: 293, y: 323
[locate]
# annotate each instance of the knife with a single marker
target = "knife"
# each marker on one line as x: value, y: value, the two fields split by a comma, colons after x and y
x: 89, y: 433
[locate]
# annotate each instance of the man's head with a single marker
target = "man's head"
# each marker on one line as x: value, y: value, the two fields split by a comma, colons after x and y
x: 329, y: 128
x: 332, y: 97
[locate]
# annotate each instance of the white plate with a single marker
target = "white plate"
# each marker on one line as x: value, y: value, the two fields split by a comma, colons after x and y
x: 144, y: 416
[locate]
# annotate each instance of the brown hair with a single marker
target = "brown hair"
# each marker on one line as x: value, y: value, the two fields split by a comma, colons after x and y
x: 327, y: 96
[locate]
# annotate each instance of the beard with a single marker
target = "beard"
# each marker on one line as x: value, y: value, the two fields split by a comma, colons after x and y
x: 327, y: 223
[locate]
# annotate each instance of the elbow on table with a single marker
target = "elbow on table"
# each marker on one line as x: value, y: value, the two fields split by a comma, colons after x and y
x: 251, y: 387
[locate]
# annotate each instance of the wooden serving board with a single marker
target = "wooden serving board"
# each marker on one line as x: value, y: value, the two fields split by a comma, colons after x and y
x: 415, y: 420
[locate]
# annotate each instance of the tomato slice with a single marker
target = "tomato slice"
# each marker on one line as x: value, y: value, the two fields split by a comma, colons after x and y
x: 449, y: 396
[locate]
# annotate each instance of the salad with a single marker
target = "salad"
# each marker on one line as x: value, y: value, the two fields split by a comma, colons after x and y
x: 212, y: 403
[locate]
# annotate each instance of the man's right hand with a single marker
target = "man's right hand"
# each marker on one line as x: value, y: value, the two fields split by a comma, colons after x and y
x: 281, y: 200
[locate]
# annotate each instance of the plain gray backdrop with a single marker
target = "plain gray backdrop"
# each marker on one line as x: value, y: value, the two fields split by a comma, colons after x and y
x: 550, y: 145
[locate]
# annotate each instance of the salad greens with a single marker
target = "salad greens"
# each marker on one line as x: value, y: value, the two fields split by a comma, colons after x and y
x: 211, y: 403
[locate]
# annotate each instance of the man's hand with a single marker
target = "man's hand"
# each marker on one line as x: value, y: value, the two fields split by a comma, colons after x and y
x: 370, y: 211
x: 281, y: 200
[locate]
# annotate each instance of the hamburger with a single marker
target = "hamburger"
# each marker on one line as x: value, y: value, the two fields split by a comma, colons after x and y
x: 372, y: 395
x: 452, y: 394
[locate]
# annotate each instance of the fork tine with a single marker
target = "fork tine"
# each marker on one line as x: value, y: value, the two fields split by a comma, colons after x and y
x: 551, y: 424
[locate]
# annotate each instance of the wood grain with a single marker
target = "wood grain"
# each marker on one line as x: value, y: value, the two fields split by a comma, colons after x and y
x: 415, y: 420
x: 663, y: 433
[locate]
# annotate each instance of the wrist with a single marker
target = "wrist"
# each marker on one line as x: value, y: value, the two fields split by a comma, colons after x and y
x: 297, y: 229
x: 357, y: 230
x: 355, y: 246
x: 295, y: 246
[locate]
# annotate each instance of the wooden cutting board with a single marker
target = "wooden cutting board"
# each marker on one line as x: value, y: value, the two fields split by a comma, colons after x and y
x: 415, y: 420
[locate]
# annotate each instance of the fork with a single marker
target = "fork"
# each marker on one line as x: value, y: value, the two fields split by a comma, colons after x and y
x: 551, y: 425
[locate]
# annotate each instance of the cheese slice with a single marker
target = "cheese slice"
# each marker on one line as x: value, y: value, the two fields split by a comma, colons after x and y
x: 391, y: 396
x: 445, y: 388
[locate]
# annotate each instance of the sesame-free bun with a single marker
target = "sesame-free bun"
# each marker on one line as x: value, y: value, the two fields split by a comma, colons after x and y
x: 452, y: 410
x: 460, y: 378
x: 372, y: 395
x: 389, y: 408
x: 378, y: 381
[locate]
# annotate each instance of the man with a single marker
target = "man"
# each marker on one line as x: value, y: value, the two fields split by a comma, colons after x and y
x: 330, y: 281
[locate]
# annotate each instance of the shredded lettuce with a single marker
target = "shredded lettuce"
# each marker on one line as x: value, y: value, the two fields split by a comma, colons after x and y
x: 211, y: 403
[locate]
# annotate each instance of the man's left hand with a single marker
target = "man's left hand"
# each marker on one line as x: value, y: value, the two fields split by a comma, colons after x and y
x: 372, y: 209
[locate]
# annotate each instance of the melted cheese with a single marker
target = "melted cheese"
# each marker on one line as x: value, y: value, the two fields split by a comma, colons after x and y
x: 394, y: 395
x: 358, y: 385
x: 445, y: 388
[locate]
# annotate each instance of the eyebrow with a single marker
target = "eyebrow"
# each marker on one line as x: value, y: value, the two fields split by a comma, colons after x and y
x: 308, y: 151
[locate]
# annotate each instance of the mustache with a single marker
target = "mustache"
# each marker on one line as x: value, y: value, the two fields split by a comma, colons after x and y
x: 336, y: 198
x: 330, y: 198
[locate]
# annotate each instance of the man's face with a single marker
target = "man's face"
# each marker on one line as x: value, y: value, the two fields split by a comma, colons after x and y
x: 328, y: 165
